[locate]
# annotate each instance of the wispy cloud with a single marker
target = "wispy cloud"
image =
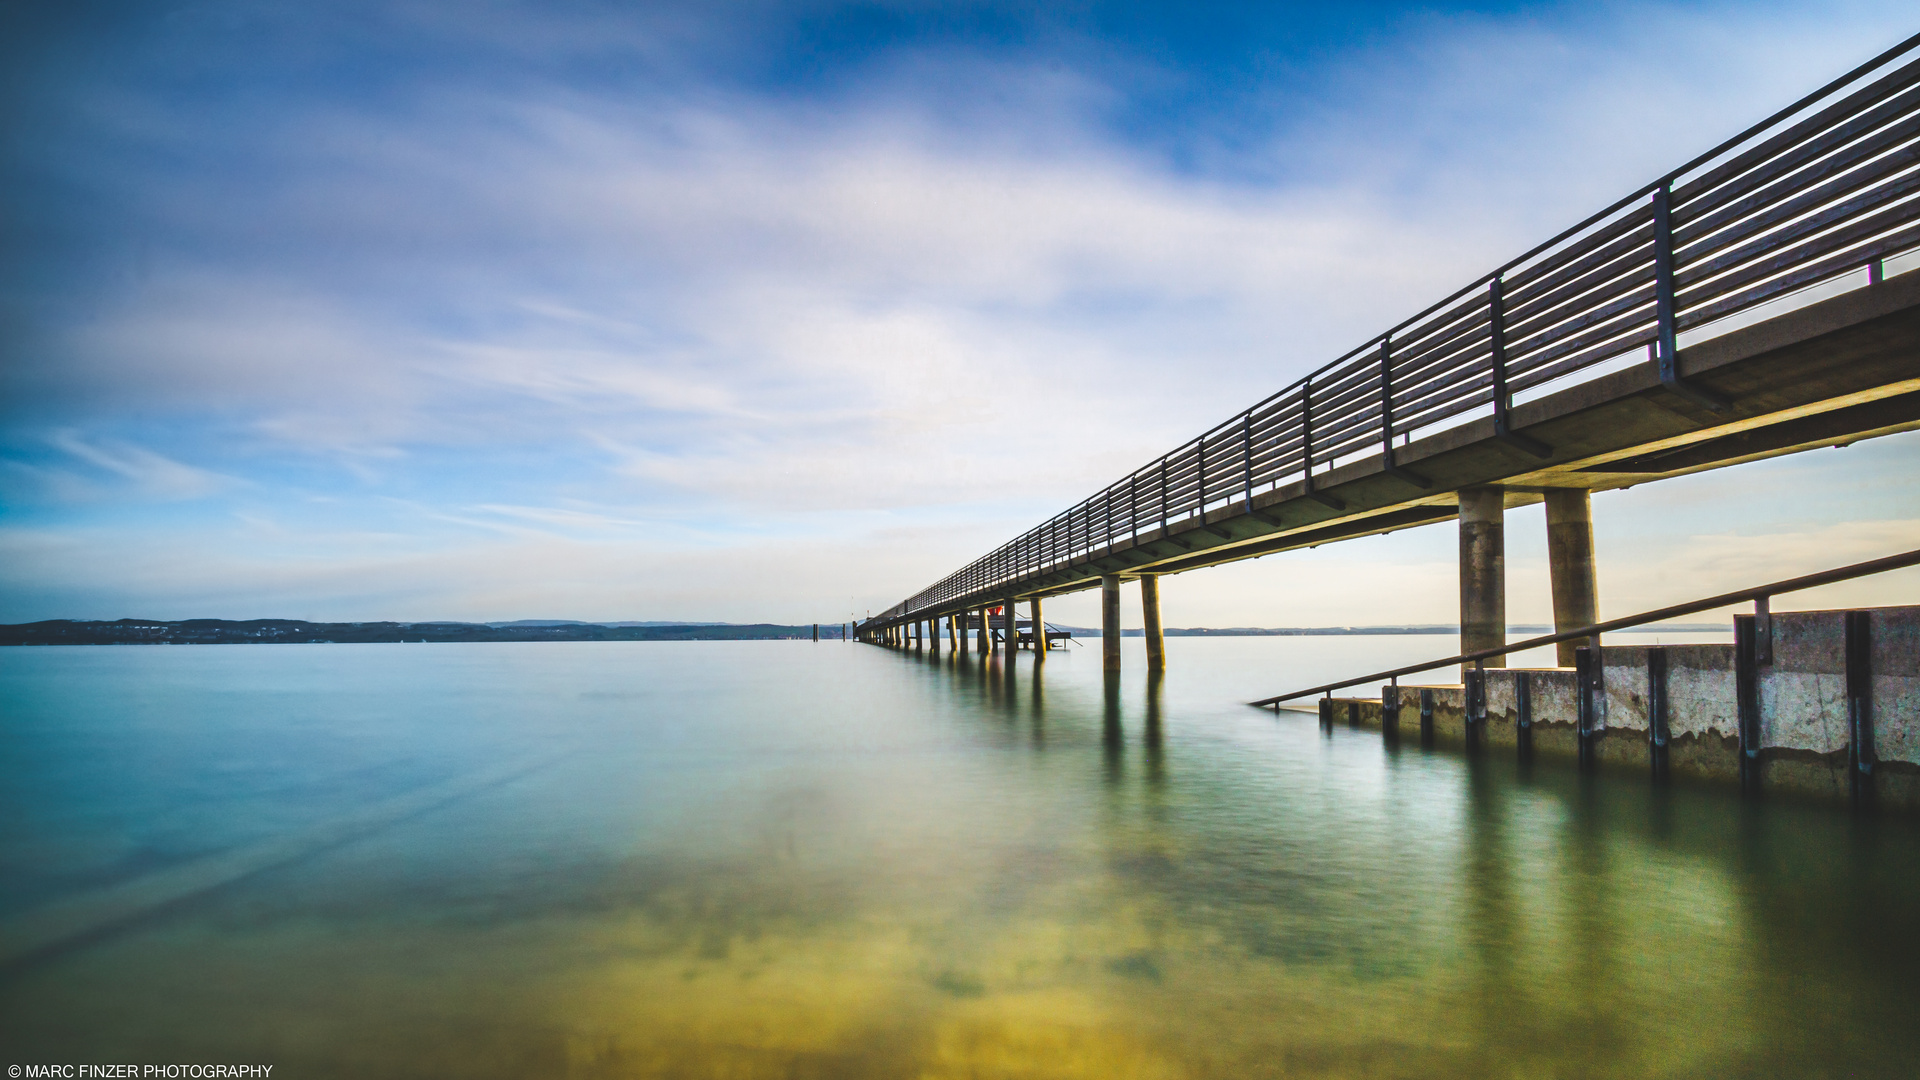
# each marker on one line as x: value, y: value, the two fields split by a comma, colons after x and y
x: 608, y: 283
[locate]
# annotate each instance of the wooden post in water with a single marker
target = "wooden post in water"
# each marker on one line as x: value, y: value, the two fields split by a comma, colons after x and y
x: 1860, y: 750
x: 1109, y: 622
x: 1657, y: 713
x: 1150, y: 618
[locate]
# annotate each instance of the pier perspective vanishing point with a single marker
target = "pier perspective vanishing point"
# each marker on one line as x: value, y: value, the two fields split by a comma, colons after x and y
x: 1751, y: 303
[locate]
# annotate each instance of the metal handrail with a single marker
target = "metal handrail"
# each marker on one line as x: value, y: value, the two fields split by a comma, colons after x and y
x: 1757, y: 593
x: 1817, y: 190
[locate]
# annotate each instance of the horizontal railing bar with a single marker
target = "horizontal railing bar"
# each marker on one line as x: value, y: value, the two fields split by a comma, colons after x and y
x: 1887, y: 142
x: 1799, y: 584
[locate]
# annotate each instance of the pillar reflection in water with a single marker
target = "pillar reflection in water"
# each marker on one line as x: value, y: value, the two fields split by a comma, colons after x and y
x: 1156, y: 766
x: 1506, y: 1017
x: 1037, y: 706
x: 1111, y: 738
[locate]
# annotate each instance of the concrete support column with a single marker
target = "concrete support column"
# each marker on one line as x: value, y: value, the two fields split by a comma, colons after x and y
x: 1150, y: 616
x: 986, y: 630
x: 1576, y: 594
x: 1013, y: 629
x: 1483, y: 571
x: 1039, y: 630
x: 1109, y: 623
x: 933, y: 635
x: 960, y: 630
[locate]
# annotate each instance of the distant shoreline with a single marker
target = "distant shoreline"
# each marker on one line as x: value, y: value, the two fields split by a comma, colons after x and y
x: 297, y: 631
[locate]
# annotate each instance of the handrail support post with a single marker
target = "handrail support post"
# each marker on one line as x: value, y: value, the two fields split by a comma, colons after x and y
x: 1502, y: 397
x: 1666, y: 343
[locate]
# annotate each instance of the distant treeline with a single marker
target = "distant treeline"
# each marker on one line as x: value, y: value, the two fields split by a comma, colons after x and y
x: 286, y: 631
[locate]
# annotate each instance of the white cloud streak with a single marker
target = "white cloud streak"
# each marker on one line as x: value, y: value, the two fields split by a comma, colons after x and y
x: 891, y: 310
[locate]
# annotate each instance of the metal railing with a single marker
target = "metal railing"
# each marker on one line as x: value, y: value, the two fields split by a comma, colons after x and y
x: 1818, y: 190
x: 1761, y: 595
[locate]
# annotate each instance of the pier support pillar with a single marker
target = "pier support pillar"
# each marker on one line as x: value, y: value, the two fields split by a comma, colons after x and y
x: 1110, y: 622
x: 958, y: 622
x: 1576, y: 596
x: 1150, y: 618
x: 986, y: 630
x: 933, y: 635
x: 1039, y: 630
x: 1483, y: 571
x: 1013, y: 630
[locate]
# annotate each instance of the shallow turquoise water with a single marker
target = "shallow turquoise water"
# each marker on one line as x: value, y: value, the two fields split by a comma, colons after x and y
x: 792, y: 859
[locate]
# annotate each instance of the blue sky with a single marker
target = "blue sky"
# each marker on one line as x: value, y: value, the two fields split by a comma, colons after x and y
x: 780, y: 311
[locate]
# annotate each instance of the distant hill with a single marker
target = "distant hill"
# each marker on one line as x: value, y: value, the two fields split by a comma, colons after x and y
x: 579, y: 622
x: 297, y: 631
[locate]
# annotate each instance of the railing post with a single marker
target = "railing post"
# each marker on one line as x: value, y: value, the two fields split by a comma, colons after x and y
x: 1666, y: 338
x: 1502, y: 397
x: 1200, y: 476
x: 1386, y: 419
x: 1386, y: 400
x: 1306, y: 432
x: 1246, y: 439
x: 1306, y: 446
x: 1163, y: 494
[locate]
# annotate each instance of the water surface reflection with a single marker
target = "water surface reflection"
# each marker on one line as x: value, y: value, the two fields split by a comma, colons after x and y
x: 788, y: 859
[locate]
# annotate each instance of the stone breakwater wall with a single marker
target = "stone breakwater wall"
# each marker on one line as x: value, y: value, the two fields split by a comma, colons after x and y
x: 1804, y: 727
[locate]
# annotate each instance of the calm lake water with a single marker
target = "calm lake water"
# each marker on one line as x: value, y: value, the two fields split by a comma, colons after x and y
x: 787, y: 859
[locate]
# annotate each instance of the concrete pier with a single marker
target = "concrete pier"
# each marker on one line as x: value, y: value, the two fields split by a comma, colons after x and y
x: 1039, y: 630
x: 986, y: 631
x: 1805, y: 716
x: 1576, y: 594
x: 1110, y: 623
x: 1012, y: 640
x: 1483, y: 571
x: 1150, y: 617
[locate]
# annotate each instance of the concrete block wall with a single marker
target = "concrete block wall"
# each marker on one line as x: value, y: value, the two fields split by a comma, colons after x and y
x: 1803, y: 709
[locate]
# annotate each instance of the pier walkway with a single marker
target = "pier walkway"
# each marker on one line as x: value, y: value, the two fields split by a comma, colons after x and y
x: 1747, y: 304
